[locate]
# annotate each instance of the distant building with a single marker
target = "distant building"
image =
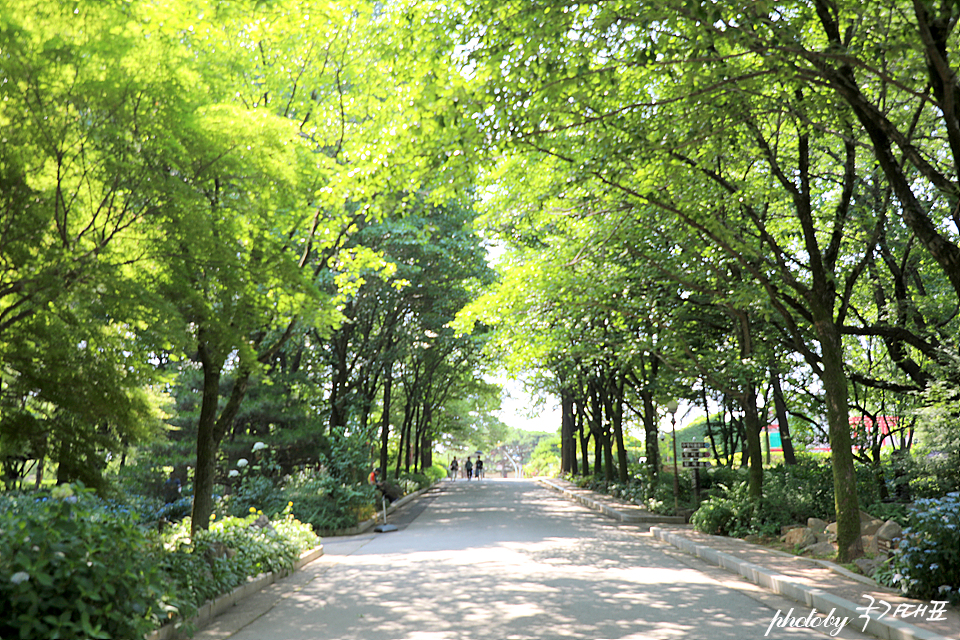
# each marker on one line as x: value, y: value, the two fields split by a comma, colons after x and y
x: 886, y: 424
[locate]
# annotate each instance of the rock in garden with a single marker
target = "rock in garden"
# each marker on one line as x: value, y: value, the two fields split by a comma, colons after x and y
x: 818, y: 525
x: 869, y: 544
x: 831, y: 531
x: 890, y: 531
x: 867, y: 566
x: 262, y: 522
x: 803, y: 537
x: 870, y: 528
x: 821, y: 549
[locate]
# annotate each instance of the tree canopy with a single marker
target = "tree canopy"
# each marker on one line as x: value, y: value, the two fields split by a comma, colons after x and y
x: 280, y: 231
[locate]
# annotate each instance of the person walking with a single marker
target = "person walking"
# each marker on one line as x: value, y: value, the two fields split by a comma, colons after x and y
x: 454, y: 468
x: 469, y: 468
x: 478, y: 469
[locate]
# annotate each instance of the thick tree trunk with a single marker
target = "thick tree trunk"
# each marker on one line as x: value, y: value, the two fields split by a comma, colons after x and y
x: 751, y: 423
x: 844, y: 476
x: 205, y: 469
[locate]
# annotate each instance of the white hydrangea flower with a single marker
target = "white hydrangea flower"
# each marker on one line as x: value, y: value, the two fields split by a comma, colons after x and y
x: 19, y: 576
x: 233, y: 473
x: 242, y: 462
x: 258, y: 446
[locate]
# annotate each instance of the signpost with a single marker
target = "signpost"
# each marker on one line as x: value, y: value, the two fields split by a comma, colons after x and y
x: 691, y: 454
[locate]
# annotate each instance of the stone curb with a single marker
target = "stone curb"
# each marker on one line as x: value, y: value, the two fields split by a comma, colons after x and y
x: 611, y: 512
x: 215, y: 607
x: 885, y: 628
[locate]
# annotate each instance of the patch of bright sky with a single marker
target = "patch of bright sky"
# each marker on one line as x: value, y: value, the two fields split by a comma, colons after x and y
x: 522, y: 410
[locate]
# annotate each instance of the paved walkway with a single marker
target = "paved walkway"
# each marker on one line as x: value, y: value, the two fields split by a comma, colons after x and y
x: 508, y: 560
x: 812, y: 583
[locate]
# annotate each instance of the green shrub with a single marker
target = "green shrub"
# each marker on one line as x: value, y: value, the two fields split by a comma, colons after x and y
x: 716, y: 480
x: 895, y: 511
x: 326, y: 504
x: 436, y: 473
x: 259, y: 493
x: 656, y: 498
x: 926, y: 564
x: 411, y: 482
x: 73, y: 567
x: 220, y: 559
x: 714, y: 516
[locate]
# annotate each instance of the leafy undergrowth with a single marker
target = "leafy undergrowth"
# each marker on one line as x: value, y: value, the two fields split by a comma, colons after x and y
x: 74, y: 566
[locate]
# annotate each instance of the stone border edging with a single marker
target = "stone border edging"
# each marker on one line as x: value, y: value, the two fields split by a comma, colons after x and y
x: 609, y: 511
x: 213, y: 608
x: 886, y: 628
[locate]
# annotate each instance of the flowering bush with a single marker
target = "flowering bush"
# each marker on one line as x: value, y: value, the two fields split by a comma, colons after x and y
x: 72, y: 566
x: 926, y: 564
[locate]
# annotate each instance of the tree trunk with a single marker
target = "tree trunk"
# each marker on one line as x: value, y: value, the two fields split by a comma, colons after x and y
x: 751, y: 423
x: 404, y: 429
x: 844, y: 477
x: 385, y: 420
x: 615, y: 405
x: 594, y: 419
x: 584, y: 440
x: 568, y: 445
x: 338, y: 385
x: 425, y: 446
x: 751, y: 420
x: 203, y: 478
x: 652, y: 437
x: 789, y: 457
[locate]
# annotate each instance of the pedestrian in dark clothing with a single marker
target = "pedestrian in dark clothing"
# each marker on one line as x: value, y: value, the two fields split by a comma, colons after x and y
x: 469, y: 467
x: 454, y: 468
x: 478, y: 469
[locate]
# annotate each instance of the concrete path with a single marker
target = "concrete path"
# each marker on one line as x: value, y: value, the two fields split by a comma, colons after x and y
x: 504, y: 560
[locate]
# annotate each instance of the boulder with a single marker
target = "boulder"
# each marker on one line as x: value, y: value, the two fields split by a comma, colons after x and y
x: 868, y: 566
x: 787, y: 527
x: 869, y: 544
x: 753, y: 538
x: 890, y: 531
x: 870, y: 528
x: 831, y: 531
x: 818, y: 525
x: 802, y: 537
x: 821, y: 549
